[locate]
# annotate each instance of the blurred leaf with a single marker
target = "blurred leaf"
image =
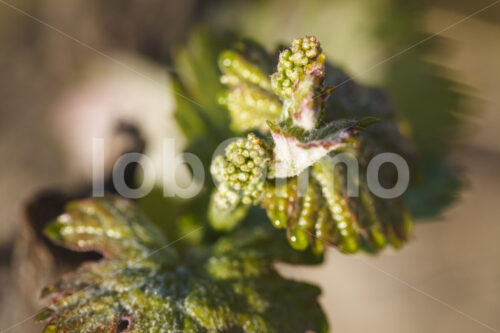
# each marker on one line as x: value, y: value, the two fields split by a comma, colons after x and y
x: 431, y: 103
x: 439, y: 185
x: 203, y: 121
x: 424, y: 93
x: 248, y: 98
x: 142, y: 284
x: 176, y: 217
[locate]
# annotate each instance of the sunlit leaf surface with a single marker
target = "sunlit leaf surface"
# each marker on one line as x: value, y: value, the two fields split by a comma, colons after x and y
x: 144, y: 285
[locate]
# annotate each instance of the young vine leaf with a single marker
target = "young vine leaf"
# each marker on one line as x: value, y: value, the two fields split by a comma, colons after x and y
x: 143, y: 284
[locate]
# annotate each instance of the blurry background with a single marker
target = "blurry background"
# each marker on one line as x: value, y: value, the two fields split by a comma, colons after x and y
x: 71, y: 71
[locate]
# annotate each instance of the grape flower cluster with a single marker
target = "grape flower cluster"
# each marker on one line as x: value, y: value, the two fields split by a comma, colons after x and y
x: 292, y: 64
x: 301, y: 137
x: 241, y: 171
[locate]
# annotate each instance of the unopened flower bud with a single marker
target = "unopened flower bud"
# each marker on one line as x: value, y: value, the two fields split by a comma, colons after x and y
x: 292, y: 64
x: 242, y: 168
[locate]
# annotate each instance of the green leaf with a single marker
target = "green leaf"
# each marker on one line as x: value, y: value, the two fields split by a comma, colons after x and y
x: 185, y: 216
x: 428, y: 96
x: 143, y: 284
x: 113, y: 227
x: 437, y: 184
x: 204, y: 122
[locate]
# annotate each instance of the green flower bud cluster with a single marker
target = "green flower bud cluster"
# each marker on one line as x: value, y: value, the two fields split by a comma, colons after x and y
x: 250, y: 107
x: 292, y: 64
x: 225, y: 198
x: 237, y: 69
x: 290, y: 105
x: 242, y: 170
x: 336, y: 200
x: 249, y: 98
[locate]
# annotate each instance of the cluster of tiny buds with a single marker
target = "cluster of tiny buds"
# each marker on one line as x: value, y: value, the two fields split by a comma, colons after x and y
x: 236, y: 68
x: 243, y: 168
x: 292, y: 64
x: 250, y: 107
